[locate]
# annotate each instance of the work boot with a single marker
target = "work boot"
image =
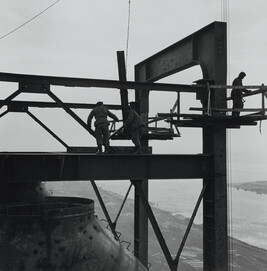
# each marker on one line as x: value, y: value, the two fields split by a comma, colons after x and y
x: 107, y: 150
x: 99, y: 150
x: 138, y: 150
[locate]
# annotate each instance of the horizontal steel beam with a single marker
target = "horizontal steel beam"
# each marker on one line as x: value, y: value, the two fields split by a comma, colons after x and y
x: 98, y: 83
x: 17, y: 167
x: 55, y: 105
x: 216, y: 122
x: 229, y: 109
x: 195, y: 49
x: 259, y: 88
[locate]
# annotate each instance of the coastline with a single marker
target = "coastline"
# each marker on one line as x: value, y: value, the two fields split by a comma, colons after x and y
x: 259, y: 187
x: 245, y: 257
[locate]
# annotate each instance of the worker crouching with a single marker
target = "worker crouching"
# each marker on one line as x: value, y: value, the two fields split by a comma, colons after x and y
x: 135, y: 125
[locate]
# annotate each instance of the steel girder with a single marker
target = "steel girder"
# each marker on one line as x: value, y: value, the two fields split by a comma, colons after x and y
x: 35, y: 83
x: 196, y: 49
x: 207, y: 48
x: 27, y: 167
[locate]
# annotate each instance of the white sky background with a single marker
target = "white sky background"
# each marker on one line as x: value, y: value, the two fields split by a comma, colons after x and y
x: 80, y: 39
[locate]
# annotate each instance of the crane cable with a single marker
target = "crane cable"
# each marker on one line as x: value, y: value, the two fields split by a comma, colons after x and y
x: 17, y: 28
x: 225, y: 18
x: 128, y: 34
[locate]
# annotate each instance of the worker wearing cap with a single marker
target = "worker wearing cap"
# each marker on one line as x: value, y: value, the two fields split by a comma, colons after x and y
x: 135, y: 125
x: 100, y: 112
x: 237, y: 94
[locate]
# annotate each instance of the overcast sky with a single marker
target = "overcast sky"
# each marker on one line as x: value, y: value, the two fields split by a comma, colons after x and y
x: 80, y: 39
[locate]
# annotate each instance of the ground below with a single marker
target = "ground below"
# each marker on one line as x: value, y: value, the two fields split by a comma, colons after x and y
x: 244, y: 257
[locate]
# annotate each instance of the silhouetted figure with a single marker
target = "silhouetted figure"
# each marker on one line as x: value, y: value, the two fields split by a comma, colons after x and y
x: 237, y: 94
x: 135, y: 125
x: 100, y: 112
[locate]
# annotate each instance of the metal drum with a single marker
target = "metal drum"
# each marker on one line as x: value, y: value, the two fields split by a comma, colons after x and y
x: 59, y: 233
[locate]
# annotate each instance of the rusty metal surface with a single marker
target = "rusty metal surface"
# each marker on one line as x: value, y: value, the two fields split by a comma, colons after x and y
x: 59, y: 234
x: 19, y: 167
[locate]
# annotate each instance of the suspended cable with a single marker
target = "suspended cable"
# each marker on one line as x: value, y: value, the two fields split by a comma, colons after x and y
x: 222, y: 10
x: 128, y: 33
x: 12, y: 31
x: 226, y: 18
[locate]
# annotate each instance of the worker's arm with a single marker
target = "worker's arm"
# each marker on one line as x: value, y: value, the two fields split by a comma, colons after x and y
x: 89, y: 119
x: 246, y: 91
x: 113, y: 116
x: 238, y: 82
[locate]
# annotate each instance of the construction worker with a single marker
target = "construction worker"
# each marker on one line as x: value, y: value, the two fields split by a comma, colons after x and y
x: 237, y: 94
x: 135, y: 125
x: 100, y: 112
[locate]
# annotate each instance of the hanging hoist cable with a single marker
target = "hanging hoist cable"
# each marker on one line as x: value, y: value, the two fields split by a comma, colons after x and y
x: 225, y: 17
x: 128, y: 34
x: 17, y: 28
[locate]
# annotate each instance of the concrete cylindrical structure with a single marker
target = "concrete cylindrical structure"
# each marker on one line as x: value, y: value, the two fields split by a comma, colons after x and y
x: 59, y: 233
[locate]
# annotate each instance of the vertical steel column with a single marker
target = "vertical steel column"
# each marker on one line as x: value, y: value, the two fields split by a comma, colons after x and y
x: 122, y: 77
x: 207, y: 48
x: 140, y: 223
x: 141, y: 219
x: 263, y: 102
x: 172, y: 263
x: 215, y: 241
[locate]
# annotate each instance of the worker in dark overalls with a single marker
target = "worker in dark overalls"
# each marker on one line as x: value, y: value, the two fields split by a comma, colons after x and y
x: 237, y: 94
x: 135, y: 126
x: 100, y: 112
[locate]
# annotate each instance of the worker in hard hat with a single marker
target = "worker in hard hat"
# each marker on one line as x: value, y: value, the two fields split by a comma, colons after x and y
x: 237, y: 94
x: 135, y: 125
x: 100, y: 112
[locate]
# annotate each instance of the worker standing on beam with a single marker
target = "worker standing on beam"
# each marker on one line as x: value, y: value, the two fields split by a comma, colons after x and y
x: 135, y: 125
x: 237, y: 94
x: 100, y: 112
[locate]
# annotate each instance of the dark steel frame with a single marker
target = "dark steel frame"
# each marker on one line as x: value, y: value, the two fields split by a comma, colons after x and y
x: 207, y: 48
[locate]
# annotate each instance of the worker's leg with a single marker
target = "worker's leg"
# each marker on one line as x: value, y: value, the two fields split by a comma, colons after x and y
x: 99, y: 138
x: 136, y: 135
x: 237, y: 104
x: 105, y: 133
x: 141, y: 132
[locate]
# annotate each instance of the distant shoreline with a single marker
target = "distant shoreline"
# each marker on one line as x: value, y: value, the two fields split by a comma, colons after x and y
x: 244, y: 256
x: 259, y: 187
